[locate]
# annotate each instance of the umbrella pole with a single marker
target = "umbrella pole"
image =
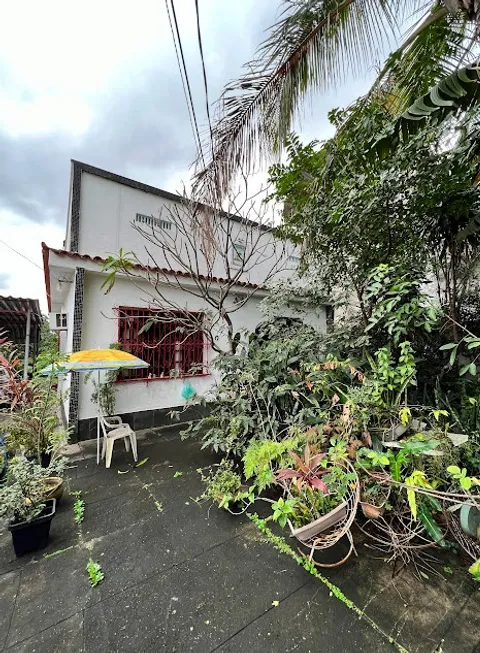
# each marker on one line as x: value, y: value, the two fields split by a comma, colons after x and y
x: 98, y: 422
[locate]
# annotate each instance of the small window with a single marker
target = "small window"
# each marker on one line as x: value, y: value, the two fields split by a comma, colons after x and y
x: 167, y: 347
x: 238, y: 253
x: 150, y: 221
x: 61, y: 320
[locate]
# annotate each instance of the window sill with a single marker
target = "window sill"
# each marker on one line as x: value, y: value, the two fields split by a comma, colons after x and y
x: 164, y: 378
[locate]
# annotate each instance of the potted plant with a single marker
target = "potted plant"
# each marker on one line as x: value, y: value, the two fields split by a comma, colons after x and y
x: 316, y: 489
x: 223, y: 485
x: 373, y: 497
x: 24, y: 505
x: 32, y: 424
x: 54, y: 483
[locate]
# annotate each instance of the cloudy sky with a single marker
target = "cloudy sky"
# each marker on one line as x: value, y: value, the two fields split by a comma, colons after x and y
x: 98, y: 82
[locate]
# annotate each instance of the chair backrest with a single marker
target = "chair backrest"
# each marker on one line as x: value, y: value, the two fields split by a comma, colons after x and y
x: 106, y: 426
x: 103, y: 425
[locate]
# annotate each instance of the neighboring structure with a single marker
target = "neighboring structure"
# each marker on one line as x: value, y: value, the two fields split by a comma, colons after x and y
x: 103, y: 209
x: 21, y: 322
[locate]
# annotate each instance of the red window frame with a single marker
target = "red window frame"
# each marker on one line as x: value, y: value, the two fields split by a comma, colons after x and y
x: 170, y: 352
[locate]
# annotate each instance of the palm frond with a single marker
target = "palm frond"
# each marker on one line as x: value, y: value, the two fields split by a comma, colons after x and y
x: 457, y: 93
x: 313, y: 47
x: 440, y: 45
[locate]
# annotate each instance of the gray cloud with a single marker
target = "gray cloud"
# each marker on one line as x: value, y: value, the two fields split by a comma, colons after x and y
x: 140, y: 129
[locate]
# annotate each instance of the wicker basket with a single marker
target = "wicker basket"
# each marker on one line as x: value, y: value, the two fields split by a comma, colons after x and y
x: 327, y: 531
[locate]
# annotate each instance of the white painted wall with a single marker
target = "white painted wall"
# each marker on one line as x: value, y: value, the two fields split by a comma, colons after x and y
x: 108, y: 209
x: 100, y: 329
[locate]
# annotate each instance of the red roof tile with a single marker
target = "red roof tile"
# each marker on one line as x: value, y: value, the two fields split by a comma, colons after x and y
x: 101, y: 261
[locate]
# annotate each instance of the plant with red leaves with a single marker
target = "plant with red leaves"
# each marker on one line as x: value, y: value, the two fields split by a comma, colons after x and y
x: 18, y: 391
x: 308, y: 471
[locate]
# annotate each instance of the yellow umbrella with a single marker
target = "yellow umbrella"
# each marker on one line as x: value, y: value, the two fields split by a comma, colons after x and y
x: 95, y: 359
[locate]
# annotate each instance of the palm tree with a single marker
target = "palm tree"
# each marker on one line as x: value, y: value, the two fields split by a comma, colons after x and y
x: 313, y: 47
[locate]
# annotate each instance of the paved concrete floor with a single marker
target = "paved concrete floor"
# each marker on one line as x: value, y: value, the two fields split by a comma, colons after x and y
x: 182, y: 577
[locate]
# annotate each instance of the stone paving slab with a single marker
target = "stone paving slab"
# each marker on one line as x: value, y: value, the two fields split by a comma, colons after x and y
x: 180, y: 576
x: 417, y: 612
x: 9, y: 584
x: 64, y: 637
x: 302, y: 623
x: 195, y: 606
x: 50, y: 591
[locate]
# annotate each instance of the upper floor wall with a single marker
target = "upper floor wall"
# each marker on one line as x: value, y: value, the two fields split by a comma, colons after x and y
x: 105, y: 208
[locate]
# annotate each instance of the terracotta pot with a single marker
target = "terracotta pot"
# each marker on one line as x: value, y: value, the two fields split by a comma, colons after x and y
x: 53, y: 487
x: 323, y: 523
x: 371, y: 511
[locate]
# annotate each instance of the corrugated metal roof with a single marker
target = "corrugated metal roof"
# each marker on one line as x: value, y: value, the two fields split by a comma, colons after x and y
x: 17, y: 308
x: 13, y: 318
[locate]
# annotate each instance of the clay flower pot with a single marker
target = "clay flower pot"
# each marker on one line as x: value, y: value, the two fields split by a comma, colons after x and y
x: 371, y: 511
x: 53, y: 487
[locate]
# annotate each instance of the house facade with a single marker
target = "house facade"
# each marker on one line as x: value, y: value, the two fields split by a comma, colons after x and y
x: 177, y: 270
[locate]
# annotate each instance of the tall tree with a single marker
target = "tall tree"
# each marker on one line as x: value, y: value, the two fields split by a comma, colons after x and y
x: 313, y: 47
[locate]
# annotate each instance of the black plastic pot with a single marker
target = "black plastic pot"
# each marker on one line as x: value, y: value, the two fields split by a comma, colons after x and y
x: 45, y: 459
x: 33, y: 535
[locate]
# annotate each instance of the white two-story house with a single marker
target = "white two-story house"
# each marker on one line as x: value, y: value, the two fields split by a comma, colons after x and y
x: 184, y: 262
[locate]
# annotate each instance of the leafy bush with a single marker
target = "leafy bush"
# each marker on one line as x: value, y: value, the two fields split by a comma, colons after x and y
x: 222, y: 483
x: 262, y: 394
x: 22, y: 497
x: 32, y: 409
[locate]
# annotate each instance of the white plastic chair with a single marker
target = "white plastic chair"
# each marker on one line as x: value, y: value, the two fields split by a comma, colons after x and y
x: 113, y: 429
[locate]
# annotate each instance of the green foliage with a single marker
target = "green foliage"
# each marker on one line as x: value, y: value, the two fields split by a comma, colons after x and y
x: 416, y: 479
x: 78, y: 508
x: 115, y: 264
x: 263, y: 457
x: 456, y: 93
x: 33, y: 426
x: 95, y: 573
x: 262, y: 394
x: 372, y: 458
x: 222, y: 483
x: 33, y: 406
x: 398, y: 306
x: 105, y: 394
x: 283, y: 510
x: 475, y: 570
x: 460, y: 475
x: 415, y: 210
x: 48, y: 352
x: 22, y: 495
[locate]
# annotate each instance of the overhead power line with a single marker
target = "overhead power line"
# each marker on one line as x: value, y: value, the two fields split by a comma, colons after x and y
x: 177, y: 41
x: 22, y: 255
x: 205, y: 82
x: 207, y: 100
